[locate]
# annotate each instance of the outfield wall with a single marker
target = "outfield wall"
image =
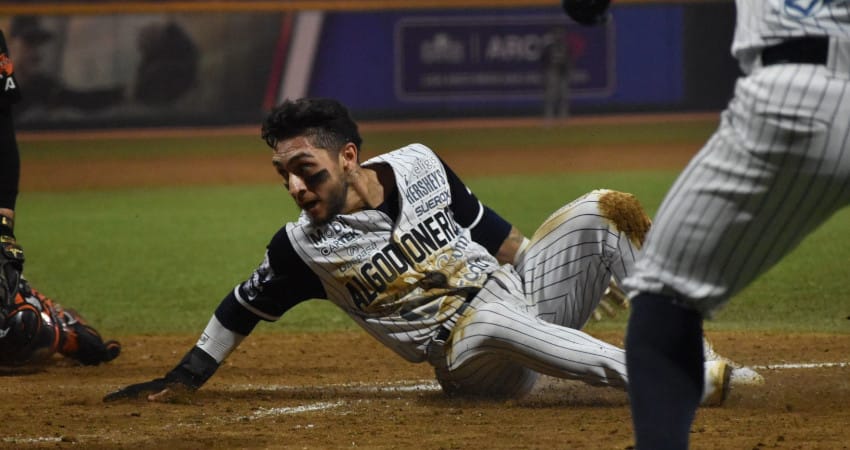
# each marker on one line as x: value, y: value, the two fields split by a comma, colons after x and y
x: 149, y: 65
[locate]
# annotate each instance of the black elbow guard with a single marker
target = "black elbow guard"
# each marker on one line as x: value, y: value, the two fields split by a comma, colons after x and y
x: 194, y: 369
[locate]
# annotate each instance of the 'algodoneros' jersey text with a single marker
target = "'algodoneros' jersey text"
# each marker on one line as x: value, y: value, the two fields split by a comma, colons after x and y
x: 399, y: 277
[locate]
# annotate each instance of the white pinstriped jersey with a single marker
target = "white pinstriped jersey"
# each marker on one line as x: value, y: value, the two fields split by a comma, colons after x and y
x: 762, y: 23
x: 777, y: 167
x: 399, y: 278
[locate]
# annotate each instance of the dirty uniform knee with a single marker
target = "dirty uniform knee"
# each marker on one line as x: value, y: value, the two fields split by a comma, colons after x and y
x: 625, y: 212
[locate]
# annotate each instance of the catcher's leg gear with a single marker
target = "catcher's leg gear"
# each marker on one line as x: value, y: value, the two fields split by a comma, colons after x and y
x: 32, y: 332
x: 37, y: 327
x: 78, y: 340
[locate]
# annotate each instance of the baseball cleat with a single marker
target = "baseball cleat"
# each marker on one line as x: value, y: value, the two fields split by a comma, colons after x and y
x: 741, y: 375
x: 718, y: 379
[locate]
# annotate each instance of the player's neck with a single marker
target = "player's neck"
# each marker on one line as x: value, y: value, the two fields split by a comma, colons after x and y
x: 365, y: 190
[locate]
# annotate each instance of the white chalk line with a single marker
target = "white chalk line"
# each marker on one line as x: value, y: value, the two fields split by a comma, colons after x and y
x: 354, y: 388
x: 286, y: 410
x: 31, y: 440
x: 823, y: 365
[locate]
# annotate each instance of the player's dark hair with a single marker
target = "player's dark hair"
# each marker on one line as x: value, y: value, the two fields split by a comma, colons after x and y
x: 325, y: 122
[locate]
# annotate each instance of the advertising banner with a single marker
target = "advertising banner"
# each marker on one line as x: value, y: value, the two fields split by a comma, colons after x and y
x: 494, y: 58
x: 419, y: 63
x: 216, y: 68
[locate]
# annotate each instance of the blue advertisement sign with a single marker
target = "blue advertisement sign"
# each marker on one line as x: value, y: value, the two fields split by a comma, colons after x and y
x: 496, y: 57
x: 486, y: 61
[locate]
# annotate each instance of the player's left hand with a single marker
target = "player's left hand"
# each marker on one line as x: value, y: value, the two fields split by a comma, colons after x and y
x: 158, y: 390
x: 137, y: 390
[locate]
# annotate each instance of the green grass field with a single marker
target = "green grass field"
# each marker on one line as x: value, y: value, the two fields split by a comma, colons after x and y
x: 139, y: 261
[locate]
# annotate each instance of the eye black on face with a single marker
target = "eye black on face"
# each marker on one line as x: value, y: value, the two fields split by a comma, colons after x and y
x: 317, y: 178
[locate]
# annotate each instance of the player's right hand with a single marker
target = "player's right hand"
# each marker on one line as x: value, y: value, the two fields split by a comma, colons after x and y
x: 154, y: 390
x: 187, y: 377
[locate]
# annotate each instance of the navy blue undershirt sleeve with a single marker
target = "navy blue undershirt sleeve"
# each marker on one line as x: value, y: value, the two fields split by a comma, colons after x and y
x: 281, y: 281
x: 235, y: 317
x: 491, y: 230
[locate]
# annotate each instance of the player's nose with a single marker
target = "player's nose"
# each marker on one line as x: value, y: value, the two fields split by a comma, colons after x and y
x: 296, y: 185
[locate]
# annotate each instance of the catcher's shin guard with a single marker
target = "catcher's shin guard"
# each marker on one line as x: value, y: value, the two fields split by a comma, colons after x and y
x: 31, y: 332
x: 37, y: 328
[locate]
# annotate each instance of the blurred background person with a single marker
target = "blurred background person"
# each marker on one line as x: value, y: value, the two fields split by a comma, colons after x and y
x: 169, y: 64
x: 556, y: 60
x: 44, y: 89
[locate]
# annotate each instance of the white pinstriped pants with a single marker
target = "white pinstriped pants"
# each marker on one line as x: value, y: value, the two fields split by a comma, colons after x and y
x: 777, y: 167
x: 526, y: 321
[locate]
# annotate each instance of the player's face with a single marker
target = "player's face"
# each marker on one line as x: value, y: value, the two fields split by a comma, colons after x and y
x: 314, y: 177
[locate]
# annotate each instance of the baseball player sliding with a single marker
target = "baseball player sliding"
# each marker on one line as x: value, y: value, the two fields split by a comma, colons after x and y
x: 409, y: 253
x: 777, y: 167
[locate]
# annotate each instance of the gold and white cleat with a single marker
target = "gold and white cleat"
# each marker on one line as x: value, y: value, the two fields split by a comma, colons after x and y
x: 741, y: 375
x: 718, y: 379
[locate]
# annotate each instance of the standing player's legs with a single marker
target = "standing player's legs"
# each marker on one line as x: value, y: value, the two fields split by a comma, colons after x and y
x: 774, y: 170
x: 575, y: 252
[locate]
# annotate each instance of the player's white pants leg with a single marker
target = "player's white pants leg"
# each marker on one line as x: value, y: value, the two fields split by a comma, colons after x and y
x: 576, y: 251
x: 777, y: 167
x: 527, y: 321
x: 498, y: 347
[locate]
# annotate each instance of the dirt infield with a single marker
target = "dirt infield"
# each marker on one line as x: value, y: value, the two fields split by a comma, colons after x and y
x: 344, y: 390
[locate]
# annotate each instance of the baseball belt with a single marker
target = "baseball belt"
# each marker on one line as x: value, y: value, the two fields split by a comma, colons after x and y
x: 444, y: 332
x: 803, y: 50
